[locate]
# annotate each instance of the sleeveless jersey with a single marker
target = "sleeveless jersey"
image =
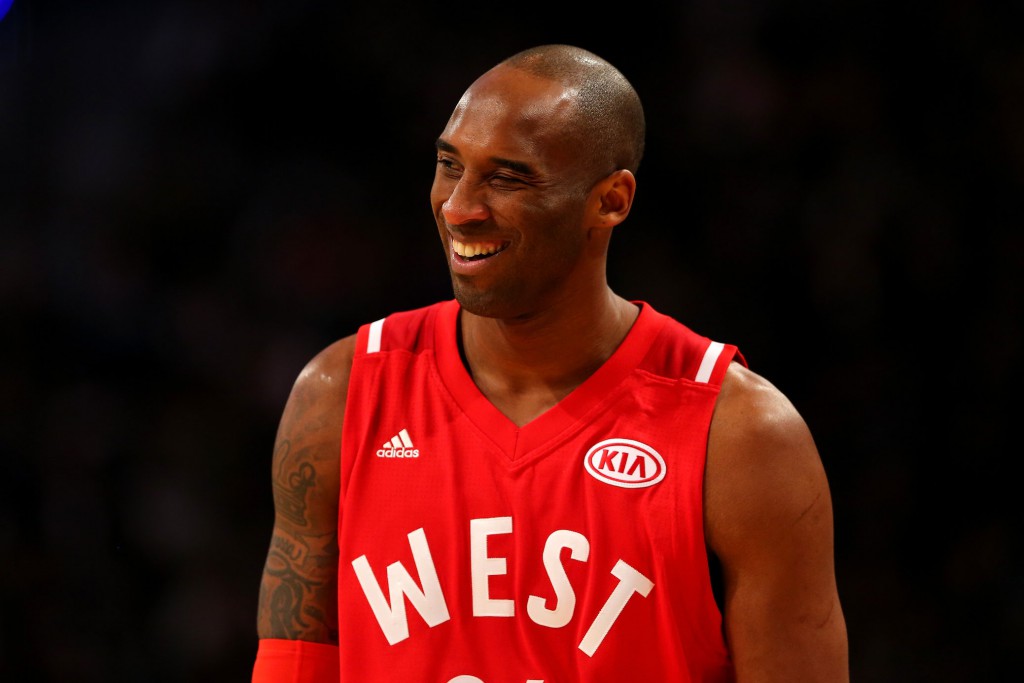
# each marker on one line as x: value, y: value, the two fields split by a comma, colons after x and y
x: 568, y: 550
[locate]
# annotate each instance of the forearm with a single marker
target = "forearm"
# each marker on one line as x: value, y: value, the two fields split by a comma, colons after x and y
x: 298, y: 592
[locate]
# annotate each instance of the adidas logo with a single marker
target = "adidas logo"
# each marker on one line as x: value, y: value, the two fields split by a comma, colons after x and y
x: 399, y: 446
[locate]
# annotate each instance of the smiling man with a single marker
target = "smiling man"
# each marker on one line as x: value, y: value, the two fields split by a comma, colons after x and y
x: 539, y: 480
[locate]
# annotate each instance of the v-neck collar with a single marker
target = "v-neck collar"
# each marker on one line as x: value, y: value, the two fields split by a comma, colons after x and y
x: 571, y: 411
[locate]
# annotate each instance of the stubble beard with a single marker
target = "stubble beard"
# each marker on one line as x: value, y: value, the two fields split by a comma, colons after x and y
x: 514, y: 299
x: 494, y: 303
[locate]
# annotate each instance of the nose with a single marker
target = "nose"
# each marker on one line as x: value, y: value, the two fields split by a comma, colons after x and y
x: 464, y: 205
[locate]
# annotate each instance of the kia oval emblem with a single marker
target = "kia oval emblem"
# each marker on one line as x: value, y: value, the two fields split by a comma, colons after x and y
x: 625, y: 463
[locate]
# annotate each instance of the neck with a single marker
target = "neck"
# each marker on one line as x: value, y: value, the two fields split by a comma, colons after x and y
x: 526, y: 365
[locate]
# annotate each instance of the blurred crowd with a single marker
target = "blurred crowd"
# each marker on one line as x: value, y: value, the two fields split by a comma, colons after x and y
x: 197, y: 197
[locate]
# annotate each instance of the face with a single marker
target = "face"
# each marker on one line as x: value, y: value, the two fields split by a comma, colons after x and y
x: 509, y: 197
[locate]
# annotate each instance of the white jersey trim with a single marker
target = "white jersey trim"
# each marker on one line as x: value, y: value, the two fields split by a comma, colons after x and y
x: 373, y: 339
x: 707, y: 365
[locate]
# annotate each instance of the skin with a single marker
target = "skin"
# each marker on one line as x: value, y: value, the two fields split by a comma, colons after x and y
x: 298, y: 590
x: 548, y: 284
x: 538, y: 319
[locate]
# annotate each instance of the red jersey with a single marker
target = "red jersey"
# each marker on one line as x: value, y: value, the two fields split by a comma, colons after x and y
x: 570, y: 549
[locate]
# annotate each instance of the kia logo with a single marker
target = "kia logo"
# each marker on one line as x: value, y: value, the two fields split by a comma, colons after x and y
x: 626, y: 463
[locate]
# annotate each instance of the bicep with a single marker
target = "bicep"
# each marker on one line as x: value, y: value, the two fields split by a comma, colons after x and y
x: 768, y: 517
x: 298, y: 587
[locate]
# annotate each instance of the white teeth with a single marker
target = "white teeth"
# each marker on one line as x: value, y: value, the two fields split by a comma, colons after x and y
x: 477, y: 249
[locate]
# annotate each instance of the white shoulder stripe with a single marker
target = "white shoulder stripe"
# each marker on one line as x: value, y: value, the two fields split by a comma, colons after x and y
x: 707, y: 365
x: 373, y: 342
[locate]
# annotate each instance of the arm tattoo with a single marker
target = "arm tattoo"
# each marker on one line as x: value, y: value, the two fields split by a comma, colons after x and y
x: 291, y: 488
x: 285, y: 601
x: 298, y: 592
x: 295, y: 580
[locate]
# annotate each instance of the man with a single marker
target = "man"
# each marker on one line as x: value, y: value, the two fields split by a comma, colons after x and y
x: 540, y: 480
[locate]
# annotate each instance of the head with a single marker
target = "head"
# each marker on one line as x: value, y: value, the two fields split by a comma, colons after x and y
x: 534, y: 168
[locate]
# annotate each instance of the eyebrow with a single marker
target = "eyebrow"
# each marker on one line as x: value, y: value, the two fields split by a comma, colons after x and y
x: 511, y: 164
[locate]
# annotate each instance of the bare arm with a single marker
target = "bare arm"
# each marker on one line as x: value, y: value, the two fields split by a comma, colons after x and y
x: 768, y: 517
x: 298, y: 591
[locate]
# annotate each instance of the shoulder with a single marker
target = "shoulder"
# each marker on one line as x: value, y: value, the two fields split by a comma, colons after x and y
x: 316, y: 403
x: 750, y: 408
x: 330, y: 368
x: 763, y: 467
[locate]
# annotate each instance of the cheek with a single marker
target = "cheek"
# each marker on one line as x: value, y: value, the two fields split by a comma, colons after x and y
x: 530, y: 214
x: 554, y: 224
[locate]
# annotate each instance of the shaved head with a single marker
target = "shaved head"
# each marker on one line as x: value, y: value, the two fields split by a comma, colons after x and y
x: 608, y: 125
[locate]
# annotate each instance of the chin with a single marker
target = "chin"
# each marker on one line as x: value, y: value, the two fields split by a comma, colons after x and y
x: 477, y: 305
x: 484, y: 304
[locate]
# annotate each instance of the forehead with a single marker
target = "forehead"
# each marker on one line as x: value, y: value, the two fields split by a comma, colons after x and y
x: 513, y: 114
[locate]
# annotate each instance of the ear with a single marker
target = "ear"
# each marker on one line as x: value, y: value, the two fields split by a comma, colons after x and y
x: 613, y: 198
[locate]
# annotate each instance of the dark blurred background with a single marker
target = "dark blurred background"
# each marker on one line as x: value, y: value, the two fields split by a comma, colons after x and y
x: 198, y: 196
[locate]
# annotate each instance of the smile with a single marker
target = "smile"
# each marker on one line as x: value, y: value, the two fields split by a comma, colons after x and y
x: 477, y: 251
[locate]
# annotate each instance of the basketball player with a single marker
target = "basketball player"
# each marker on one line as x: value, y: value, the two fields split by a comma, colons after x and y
x: 539, y: 480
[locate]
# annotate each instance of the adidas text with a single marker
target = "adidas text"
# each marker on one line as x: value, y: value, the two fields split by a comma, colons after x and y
x: 400, y: 452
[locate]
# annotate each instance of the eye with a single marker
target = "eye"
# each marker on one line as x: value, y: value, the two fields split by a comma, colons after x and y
x: 449, y: 166
x: 501, y: 180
